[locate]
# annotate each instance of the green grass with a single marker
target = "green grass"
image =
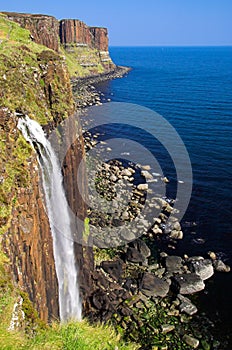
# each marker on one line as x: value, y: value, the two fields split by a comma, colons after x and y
x: 82, y: 55
x: 70, y: 336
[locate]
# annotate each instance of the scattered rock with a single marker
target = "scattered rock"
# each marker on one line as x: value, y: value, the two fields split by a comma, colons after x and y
x: 186, y: 305
x: 220, y: 266
x: 202, y: 267
x: 193, y: 342
x: 212, y: 255
x: 142, y: 187
x: 167, y: 328
x: 188, y: 283
x: 153, y: 286
x: 113, y: 268
x: 174, y: 264
x: 134, y: 256
x: 141, y: 247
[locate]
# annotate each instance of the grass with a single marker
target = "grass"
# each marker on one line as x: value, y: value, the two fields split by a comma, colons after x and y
x: 70, y: 336
x: 35, y: 82
x: 80, y: 56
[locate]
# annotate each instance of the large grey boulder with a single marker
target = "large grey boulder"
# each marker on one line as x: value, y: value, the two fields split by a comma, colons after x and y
x: 188, y: 283
x: 151, y: 285
x: 202, y: 267
x: 186, y: 305
x: 174, y: 264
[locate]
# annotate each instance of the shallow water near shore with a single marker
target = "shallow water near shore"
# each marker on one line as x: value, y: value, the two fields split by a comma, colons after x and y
x: 191, y: 88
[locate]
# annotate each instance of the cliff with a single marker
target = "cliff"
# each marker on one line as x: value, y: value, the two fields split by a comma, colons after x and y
x: 86, y: 48
x: 75, y: 31
x: 34, y: 81
x: 44, y: 29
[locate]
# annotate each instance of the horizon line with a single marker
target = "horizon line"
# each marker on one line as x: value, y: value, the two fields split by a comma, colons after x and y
x: 171, y: 45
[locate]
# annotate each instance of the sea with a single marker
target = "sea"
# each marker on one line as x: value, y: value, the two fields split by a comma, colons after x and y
x: 191, y: 87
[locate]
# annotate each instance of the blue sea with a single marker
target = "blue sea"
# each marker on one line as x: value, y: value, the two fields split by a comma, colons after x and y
x: 192, y: 89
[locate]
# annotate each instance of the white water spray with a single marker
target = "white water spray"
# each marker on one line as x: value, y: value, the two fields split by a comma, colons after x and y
x: 58, y: 213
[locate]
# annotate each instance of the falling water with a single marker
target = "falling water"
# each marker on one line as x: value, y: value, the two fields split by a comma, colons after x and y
x: 58, y: 213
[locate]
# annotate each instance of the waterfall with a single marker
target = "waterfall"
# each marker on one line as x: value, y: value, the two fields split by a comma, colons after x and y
x: 58, y: 214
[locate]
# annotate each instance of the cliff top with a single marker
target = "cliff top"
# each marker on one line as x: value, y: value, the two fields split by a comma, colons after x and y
x: 29, y: 15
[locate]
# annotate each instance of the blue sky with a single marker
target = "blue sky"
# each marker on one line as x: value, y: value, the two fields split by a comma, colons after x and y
x: 144, y: 23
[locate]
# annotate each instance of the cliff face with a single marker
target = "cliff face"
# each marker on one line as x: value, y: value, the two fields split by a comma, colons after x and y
x: 100, y: 35
x: 44, y: 29
x: 86, y: 47
x: 34, y: 81
x: 73, y: 31
x: 27, y: 240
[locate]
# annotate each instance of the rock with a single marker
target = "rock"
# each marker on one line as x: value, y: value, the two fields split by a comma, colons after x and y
x: 174, y: 264
x: 176, y: 226
x: 188, y: 283
x: 212, y: 255
x: 165, y: 179
x: 176, y: 234
x: 126, y: 235
x: 142, y: 187
x: 186, y: 305
x: 134, y: 256
x: 167, y: 328
x: 146, y: 174
x: 220, y: 266
x: 193, y: 342
x: 141, y: 247
x: 146, y: 167
x: 126, y: 172
x: 153, y: 286
x: 113, y: 268
x: 203, y: 268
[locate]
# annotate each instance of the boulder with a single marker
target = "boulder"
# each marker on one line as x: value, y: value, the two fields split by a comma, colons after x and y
x: 188, y: 283
x: 151, y: 285
x: 141, y: 247
x: 202, y: 267
x: 174, y: 264
x: 142, y: 187
x: 113, y: 268
x: 220, y: 266
x: 134, y: 256
x: 186, y: 305
x: 192, y: 342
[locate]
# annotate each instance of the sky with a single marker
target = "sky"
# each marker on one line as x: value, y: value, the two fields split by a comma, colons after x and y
x: 144, y: 22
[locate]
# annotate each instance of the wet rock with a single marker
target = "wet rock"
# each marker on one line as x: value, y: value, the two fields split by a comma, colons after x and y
x: 153, y: 286
x: 202, y: 267
x: 193, y: 342
x: 142, y: 187
x: 188, y: 283
x: 186, y: 305
x: 174, y: 264
x: 176, y: 234
x: 134, y: 256
x: 113, y: 268
x: 167, y: 328
x: 212, y: 255
x: 146, y: 174
x: 220, y: 266
x: 141, y: 247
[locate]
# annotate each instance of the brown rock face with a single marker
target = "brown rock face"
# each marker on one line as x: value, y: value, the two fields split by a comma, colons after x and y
x: 73, y: 31
x: 28, y: 240
x: 100, y: 38
x: 44, y: 29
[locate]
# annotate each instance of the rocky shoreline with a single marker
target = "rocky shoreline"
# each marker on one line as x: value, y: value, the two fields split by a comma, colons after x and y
x: 84, y: 90
x: 147, y: 294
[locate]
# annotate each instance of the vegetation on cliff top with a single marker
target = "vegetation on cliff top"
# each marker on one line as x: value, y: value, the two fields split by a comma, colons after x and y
x: 33, y: 79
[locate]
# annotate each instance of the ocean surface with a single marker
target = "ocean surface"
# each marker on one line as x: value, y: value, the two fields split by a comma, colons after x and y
x: 192, y: 89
